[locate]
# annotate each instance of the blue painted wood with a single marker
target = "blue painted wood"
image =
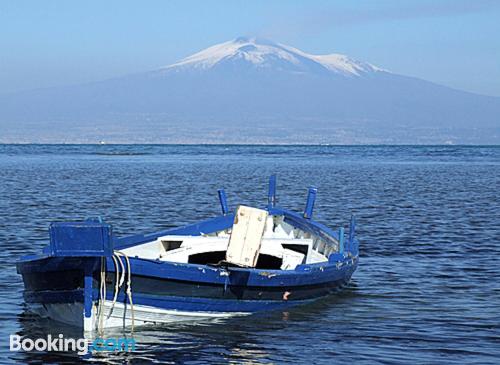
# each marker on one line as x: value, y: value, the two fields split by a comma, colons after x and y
x: 211, y: 225
x: 42, y: 263
x: 296, y: 220
x: 234, y: 286
x: 271, y: 195
x: 191, y: 270
x: 338, y: 268
x: 307, y: 274
x: 311, y: 197
x: 88, y: 238
x: 224, y: 222
x: 353, y: 244
x: 223, y: 201
x: 341, y: 240
x: 352, y: 229
x: 168, y: 302
x: 54, y: 296
x: 87, y: 291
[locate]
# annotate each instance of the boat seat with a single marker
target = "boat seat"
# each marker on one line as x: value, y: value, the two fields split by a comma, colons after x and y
x: 246, y: 236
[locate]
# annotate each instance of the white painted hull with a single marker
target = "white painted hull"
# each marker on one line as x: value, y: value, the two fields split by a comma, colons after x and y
x: 121, y: 315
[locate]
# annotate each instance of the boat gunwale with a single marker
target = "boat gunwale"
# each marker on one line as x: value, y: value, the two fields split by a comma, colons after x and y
x: 198, y: 272
x: 222, y: 222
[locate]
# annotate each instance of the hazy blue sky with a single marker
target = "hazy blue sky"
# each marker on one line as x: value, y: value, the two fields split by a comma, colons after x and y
x: 47, y: 43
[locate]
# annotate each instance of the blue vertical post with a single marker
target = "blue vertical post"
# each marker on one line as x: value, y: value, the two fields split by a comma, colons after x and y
x: 311, y: 197
x: 223, y: 201
x: 271, y: 196
x: 352, y: 229
x: 341, y: 240
x: 87, y: 297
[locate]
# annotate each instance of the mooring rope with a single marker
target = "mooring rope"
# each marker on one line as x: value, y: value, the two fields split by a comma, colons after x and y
x: 129, y: 287
x: 100, y: 321
x: 119, y: 281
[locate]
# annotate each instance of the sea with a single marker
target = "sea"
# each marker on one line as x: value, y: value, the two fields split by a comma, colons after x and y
x: 427, y: 289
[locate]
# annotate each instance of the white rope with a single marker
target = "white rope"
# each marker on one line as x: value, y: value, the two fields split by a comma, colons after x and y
x: 100, y: 322
x: 119, y: 281
x: 122, y: 277
x: 129, y: 287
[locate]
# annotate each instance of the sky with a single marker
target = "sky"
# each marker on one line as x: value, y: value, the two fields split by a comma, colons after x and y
x: 50, y: 43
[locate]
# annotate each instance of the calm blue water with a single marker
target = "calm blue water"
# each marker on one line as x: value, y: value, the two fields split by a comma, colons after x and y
x: 427, y: 289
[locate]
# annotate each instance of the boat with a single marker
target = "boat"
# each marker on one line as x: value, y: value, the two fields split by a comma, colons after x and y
x: 238, y: 263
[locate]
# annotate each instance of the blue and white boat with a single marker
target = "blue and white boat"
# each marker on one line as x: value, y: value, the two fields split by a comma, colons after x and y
x: 237, y: 263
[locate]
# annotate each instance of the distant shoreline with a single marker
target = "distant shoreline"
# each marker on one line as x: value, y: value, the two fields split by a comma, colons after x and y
x: 248, y: 144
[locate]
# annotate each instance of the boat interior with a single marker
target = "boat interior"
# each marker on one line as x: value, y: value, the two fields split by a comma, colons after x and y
x: 278, y: 246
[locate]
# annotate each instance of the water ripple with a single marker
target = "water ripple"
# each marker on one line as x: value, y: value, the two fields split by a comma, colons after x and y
x: 427, y: 289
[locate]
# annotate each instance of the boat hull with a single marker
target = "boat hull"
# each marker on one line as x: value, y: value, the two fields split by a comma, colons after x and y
x: 118, y: 315
x: 65, y: 279
x: 165, y: 292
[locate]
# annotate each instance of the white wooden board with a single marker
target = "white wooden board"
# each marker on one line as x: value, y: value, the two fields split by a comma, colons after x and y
x: 246, y: 236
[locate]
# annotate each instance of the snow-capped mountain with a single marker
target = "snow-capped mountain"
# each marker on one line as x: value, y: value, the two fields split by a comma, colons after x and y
x: 254, y: 90
x: 261, y: 53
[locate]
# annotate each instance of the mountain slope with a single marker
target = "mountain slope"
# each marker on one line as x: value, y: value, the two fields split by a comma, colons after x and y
x: 281, y: 91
